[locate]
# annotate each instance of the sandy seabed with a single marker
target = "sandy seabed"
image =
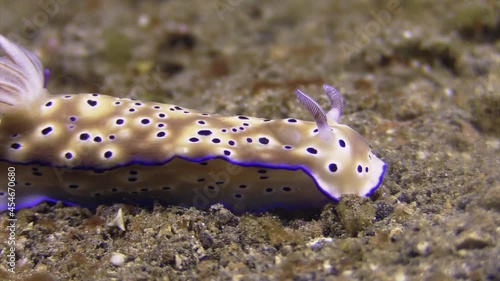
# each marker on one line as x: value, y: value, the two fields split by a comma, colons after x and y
x: 420, y: 80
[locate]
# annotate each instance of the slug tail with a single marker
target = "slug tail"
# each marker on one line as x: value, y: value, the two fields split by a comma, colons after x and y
x: 21, y: 77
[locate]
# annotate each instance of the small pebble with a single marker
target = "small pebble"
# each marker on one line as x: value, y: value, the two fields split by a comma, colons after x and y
x: 117, y: 259
x: 471, y: 240
x: 319, y: 243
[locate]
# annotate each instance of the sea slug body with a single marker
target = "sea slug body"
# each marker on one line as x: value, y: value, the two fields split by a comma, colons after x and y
x: 89, y: 149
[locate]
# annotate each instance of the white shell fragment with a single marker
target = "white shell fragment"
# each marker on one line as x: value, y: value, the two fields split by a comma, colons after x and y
x: 118, y: 220
x: 90, y: 149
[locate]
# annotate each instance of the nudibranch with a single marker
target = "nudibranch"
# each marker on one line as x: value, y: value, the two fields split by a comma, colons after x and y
x: 90, y: 149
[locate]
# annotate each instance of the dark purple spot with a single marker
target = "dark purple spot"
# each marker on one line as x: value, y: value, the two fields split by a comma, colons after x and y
x: 312, y: 150
x: 67, y: 96
x: 360, y: 169
x: 205, y: 114
x: 161, y: 134
x: 204, y: 132
x: 342, y: 143
x: 95, y: 95
x: 117, y: 102
x: 286, y: 189
x: 119, y: 121
x: 14, y: 135
x: 366, y: 169
x: 156, y: 107
x: 315, y: 130
x: 161, y: 125
x: 249, y: 140
x: 186, y: 112
x: 162, y: 115
x: 108, y: 154
x: 84, y: 136
x: 234, y: 130
x: 171, y: 109
x: 264, y: 178
x: 237, y: 195
x: 242, y: 186
x: 224, y: 130
x: 92, y: 102
x: 132, y: 110
x: 178, y: 108
x: 268, y: 190
x: 263, y: 140
x: 262, y: 171
x: 332, y: 167
x: 111, y: 137
x: 245, y: 124
x: 291, y: 120
x: 201, y: 180
x: 72, y: 118
x: 15, y: 146
x: 227, y: 152
x: 216, y: 140
x: 138, y: 103
x: 46, y: 131
x: 97, y: 139
x: 266, y: 120
x: 194, y: 139
x: 201, y: 122
x: 145, y: 121
x: 211, y: 187
x: 287, y: 147
x: 203, y: 163
x: 231, y: 142
x: 48, y: 104
x: 241, y: 128
x: 73, y: 186
x: 243, y: 117
x: 68, y: 155
x: 219, y: 182
x: 132, y: 179
x: 133, y: 172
